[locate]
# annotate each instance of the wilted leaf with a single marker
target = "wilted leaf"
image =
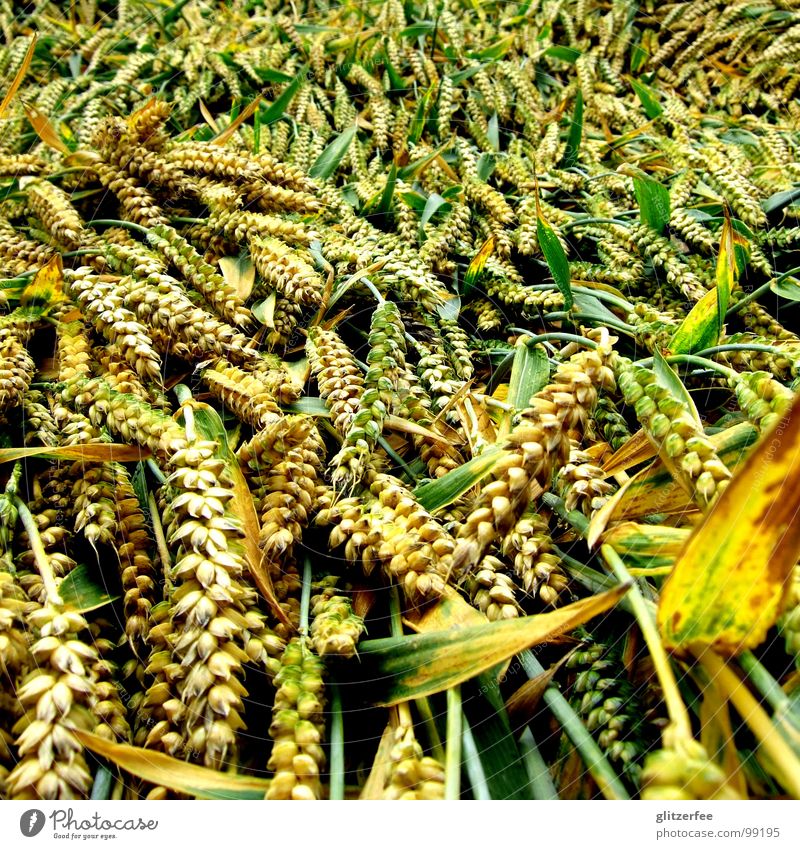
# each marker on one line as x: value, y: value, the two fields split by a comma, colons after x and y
x: 384, y: 203
x: 593, y: 307
x: 497, y: 50
x: 774, y: 203
x: 240, y: 273
x: 264, y: 311
x: 475, y: 268
x: 396, y: 82
x: 210, y: 426
x: 603, y: 516
x: 19, y: 76
x: 46, y: 290
x: 422, y: 664
x: 638, y: 449
x: 486, y: 165
x: 420, y: 118
x: 493, y: 133
x: 651, y: 545
x: 654, y: 490
x: 786, y: 287
x: 299, y: 372
x: 564, y: 53
x: 523, y: 703
x: 309, y: 406
x: 378, y: 776
x: 412, y: 428
x: 716, y: 736
x: 182, y: 777
x: 449, y: 310
x: 733, y: 252
x: 101, y: 452
x: 502, y: 769
x: 451, y: 611
x: 727, y: 586
x: 208, y: 117
x: 227, y: 133
x: 700, y: 329
x: 45, y: 130
x: 418, y: 165
x: 432, y: 205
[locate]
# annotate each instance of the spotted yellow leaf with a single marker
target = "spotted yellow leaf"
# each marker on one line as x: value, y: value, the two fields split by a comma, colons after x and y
x: 728, y: 583
x: 47, y: 287
x: 478, y: 263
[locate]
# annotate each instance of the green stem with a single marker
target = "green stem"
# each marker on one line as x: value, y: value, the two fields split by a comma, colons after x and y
x: 452, y: 784
x: 157, y: 473
x: 305, y: 596
x: 574, y: 517
x: 735, y: 346
x: 600, y: 294
x: 39, y: 554
x: 112, y: 222
x: 769, y: 688
x: 473, y: 765
x: 541, y: 783
x: 577, y: 222
x: 692, y: 360
x: 398, y: 460
x: 681, y: 727
x: 161, y: 543
x: 597, y: 764
x: 748, y: 299
x: 594, y: 581
x: 582, y: 316
x: 337, y: 785
x: 373, y: 290
x: 57, y: 175
x: 395, y: 613
x: 103, y: 783
x: 426, y: 714
x: 182, y: 219
x: 563, y: 337
x: 761, y: 290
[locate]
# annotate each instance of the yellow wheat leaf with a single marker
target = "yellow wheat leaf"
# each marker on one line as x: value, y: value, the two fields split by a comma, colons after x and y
x: 727, y: 586
x: 47, y: 287
x: 20, y: 75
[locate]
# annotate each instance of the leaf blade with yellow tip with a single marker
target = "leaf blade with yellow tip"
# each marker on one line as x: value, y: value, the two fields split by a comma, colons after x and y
x: 422, y: 664
x: 180, y: 776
